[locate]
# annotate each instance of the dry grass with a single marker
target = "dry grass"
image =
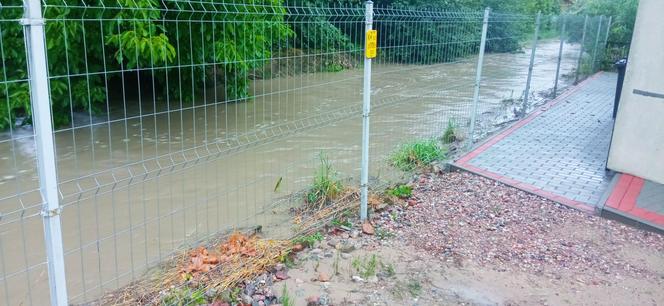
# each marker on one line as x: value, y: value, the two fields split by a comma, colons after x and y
x: 308, y: 220
x: 232, y: 269
x: 224, y: 276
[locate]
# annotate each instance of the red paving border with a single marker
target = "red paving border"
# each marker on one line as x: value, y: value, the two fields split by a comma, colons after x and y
x: 463, y: 162
x: 623, y: 199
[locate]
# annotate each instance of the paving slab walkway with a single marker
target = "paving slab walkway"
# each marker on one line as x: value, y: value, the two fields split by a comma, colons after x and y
x: 559, y: 151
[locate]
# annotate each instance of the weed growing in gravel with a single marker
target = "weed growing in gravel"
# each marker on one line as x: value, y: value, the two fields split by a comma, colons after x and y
x: 341, y: 223
x: 308, y: 240
x: 414, y: 287
x: 286, y: 299
x: 383, y: 234
x: 401, y: 191
x: 184, y: 296
x: 326, y: 186
x: 337, y: 258
x: 288, y: 261
x: 450, y: 135
x: 366, y: 267
x: 417, y: 154
x: 388, y: 269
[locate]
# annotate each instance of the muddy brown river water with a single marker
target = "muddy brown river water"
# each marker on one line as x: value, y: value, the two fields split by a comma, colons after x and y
x: 136, y: 188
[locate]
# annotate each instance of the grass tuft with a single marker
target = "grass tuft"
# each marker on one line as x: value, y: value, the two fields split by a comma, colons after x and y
x: 450, y: 135
x: 183, y: 296
x: 401, y: 191
x: 417, y: 154
x: 366, y: 267
x: 286, y: 299
x: 308, y: 240
x: 414, y: 287
x: 326, y: 186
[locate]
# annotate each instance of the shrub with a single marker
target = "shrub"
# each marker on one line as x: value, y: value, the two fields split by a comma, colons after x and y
x: 136, y: 34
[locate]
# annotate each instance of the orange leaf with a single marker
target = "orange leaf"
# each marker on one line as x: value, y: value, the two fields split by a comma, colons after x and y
x: 212, y: 260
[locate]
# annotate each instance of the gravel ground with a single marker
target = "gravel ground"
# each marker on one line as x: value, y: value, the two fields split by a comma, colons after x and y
x: 466, y: 240
x: 462, y: 217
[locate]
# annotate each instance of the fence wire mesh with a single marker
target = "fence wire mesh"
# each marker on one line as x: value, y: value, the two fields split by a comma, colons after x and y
x: 179, y: 121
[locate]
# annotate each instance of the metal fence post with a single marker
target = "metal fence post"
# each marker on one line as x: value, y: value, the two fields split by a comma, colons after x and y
x: 583, y: 41
x: 530, y: 66
x: 478, y: 78
x: 41, y: 114
x: 608, y: 28
x: 606, y: 37
x: 366, y: 108
x: 599, y: 31
x: 560, y: 55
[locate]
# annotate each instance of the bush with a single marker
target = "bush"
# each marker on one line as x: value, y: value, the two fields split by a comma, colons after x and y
x: 84, y: 42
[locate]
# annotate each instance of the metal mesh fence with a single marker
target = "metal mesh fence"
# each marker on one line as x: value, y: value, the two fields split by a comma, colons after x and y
x: 178, y: 121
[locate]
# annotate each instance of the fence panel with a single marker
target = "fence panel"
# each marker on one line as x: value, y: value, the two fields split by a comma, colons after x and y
x: 593, y: 43
x: 423, y: 81
x: 505, y: 71
x: 179, y: 121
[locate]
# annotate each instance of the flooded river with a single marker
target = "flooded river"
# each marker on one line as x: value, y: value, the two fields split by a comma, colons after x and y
x: 137, y: 187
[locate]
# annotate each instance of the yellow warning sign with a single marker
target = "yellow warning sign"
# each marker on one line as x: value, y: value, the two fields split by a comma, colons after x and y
x: 371, y: 43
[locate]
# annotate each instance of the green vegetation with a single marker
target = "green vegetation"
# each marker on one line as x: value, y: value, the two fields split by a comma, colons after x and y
x: 286, y: 299
x: 414, y: 287
x: 341, y: 222
x: 141, y: 36
x: 622, y: 24
x: 287, y: 259
x: 623, y: 12
x: 401, y: 191
x: 183, y: 296
x: 326, y: 187
x: 449, y: 136
x: 383, y: 234
x: 418, y: 154
x: 335, y: 265
x: 308, y: 240
x: 107, y: 51
x: 388, y: 269
x: 233, y: 296
x: 366, y: 267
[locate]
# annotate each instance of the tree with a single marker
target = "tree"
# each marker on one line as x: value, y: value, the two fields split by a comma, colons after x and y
x: 623, y: 12
x: 94, y: 48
